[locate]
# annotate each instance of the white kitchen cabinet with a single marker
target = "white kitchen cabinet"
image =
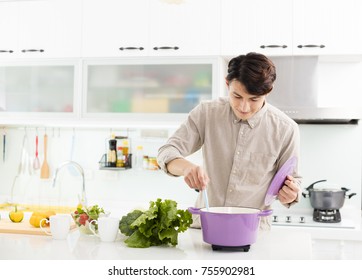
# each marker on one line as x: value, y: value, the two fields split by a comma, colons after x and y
x: 159, y: 90
x: 115, y: 28
x: 37, y: 92
x: 150, y: 28
x: 325, y: 27
x: 256, y: 25
x: 284, y: 27
x: 184, y: 27
x: 40, y: 29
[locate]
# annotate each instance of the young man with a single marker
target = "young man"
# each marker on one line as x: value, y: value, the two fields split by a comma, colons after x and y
x: 244, y: 141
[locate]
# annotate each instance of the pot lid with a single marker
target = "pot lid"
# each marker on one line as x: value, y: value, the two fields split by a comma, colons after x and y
x: 278, y: 180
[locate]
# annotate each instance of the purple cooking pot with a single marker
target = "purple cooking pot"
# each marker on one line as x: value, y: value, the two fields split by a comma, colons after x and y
x: 230, y: 226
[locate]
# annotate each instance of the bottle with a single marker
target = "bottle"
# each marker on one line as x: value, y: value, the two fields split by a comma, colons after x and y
x: 112, y: 153
x: 152, y: 163
x: 145, y: 162
x: 120, y: 160
x: 139, y: 158
x: 125, y: 149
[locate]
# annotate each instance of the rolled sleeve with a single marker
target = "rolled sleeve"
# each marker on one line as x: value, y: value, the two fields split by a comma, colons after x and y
x: 166, y: 154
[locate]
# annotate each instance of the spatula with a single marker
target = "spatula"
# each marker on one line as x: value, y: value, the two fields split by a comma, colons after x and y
x: 44, y: 171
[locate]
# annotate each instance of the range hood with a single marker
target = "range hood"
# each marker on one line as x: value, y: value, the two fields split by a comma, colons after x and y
x: 296, y: 93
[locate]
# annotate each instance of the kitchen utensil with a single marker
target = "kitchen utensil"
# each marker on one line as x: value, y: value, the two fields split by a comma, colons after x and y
x: 71, y: 168
x: 4, y: 144
x: 36, y: 163
x: 22, y: 164
x: 44, y: 171
x: 206, y: 199
x: 278, y: 180
x: 326, y: 198
x: 230, y: 226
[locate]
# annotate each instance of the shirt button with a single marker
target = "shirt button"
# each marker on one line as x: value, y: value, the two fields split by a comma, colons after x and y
x: 230, y: 190
x: 238, y: 153
x: 235, y: 121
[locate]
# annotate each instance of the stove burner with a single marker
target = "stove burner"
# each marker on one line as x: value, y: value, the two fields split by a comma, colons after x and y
x: 244, y: 248
x: 327, y: 216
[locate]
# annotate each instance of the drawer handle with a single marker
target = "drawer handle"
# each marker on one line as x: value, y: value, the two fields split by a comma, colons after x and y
x: 273, y: 46
x: 6, y: 51
x: 32, y: 50
x: 311, y: 46
x: 131, y: 48
x: 165, y: 48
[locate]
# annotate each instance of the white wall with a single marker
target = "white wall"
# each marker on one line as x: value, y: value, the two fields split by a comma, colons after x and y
x: 331, y: 152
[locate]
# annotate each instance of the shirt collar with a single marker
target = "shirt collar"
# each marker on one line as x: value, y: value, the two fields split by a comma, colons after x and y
x: 255, y: 119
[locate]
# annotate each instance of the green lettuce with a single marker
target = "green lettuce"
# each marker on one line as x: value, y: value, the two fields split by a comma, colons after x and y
x: 159, y: 225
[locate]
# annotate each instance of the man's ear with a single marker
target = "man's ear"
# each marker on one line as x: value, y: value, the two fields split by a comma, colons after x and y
x: 226, y: 82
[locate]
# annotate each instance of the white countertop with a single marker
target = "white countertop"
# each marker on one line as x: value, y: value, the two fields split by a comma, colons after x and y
x: 275, y: 244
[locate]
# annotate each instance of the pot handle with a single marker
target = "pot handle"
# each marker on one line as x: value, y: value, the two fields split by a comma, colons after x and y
x: 350, y: 195
x: 194, y: 210
x: 305, y: 194
x: 264, y: 213
x: 312, y: 185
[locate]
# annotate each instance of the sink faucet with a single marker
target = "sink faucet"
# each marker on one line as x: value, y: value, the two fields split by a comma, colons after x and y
x: 81, y: 171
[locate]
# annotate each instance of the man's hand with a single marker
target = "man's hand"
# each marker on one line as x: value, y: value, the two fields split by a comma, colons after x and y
x: 195, y: 177
x: 289, y: 192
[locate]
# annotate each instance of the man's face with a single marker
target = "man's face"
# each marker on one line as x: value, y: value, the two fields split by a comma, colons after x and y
x: 243, y: 104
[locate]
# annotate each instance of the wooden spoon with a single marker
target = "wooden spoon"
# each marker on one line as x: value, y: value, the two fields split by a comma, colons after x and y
x: 44, y: 171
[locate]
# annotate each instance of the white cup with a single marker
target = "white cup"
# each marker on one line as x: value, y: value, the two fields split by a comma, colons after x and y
x: 59, y: 226
x: 108, y: 228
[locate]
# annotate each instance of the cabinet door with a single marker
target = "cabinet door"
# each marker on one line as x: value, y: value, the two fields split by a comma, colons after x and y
x: 326, y: 27
x: 8, y: 29
x: 184, y: 27
x: 115, y: 28
x: 263, y: 26
x: 37, y: 29
x: 147, y: 90
x: 37, y: 88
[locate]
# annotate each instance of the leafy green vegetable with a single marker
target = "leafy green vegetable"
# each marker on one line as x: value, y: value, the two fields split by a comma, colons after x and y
x: 158, y: 225
x: 126, y: 221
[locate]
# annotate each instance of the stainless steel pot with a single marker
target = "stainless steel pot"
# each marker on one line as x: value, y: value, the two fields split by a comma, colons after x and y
x: 326, y: 198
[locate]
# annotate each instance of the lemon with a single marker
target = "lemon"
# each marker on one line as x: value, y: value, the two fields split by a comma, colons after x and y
x: 16, y: 216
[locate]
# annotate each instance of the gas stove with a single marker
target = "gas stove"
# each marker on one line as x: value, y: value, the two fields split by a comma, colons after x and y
x: 310, y: 219
x: 326, y: 216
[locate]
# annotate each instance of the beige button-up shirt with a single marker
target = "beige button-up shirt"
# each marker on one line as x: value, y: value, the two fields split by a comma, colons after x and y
x: 240, y: 157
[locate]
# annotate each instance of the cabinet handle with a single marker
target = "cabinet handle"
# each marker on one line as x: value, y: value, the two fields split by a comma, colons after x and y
x: 165, y: 48
x: 33, y: 50
x: 311, y: 46
x: 273, y: 46
x: 131, y: 48
x: 6, y: 51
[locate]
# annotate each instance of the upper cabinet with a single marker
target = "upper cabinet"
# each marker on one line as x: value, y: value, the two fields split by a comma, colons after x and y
x: 291, y: 27
x: 40, y: 29
x: 113, y: 28
x: 38, y: 91
x: 327, y: 27
x: 256, y: 25
x: 157, y: 89
x: 184, y: 27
